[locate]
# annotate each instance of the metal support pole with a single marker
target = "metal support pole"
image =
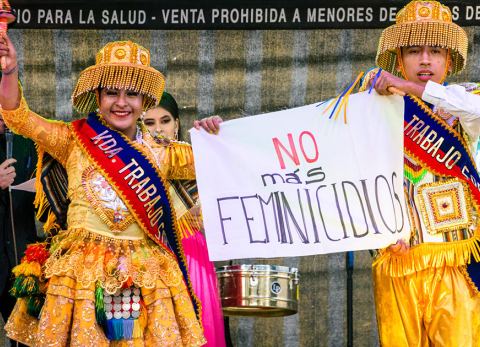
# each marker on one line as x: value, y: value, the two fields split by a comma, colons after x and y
x: 12, y: 224
x: 9, y: 154
x: 349, y: 265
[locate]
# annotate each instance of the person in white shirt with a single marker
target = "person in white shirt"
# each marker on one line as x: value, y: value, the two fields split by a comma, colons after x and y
x: 426, y: 287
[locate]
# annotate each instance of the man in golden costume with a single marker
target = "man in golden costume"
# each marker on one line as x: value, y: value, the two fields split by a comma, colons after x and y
x: 426, y: 288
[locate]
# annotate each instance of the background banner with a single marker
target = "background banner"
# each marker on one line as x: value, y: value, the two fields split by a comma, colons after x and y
x: 217, y: 14
x: 294, y: 182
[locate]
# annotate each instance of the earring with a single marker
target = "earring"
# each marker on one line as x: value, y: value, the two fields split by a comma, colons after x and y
x: 176, y: 134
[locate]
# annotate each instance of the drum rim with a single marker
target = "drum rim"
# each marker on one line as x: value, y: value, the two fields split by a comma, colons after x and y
x: 256, y: 268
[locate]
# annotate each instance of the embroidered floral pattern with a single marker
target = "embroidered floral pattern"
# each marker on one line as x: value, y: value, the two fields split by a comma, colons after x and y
x: 105, y: 201
x: 92, y: 258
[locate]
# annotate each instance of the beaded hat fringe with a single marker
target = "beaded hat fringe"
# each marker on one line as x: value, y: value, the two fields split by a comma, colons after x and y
x: 122, y: 65
x: 423, y: 23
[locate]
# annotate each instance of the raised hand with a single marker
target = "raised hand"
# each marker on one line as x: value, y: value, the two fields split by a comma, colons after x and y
x: 388, y: 84
x: 9, y: 91
x: 8, y: 51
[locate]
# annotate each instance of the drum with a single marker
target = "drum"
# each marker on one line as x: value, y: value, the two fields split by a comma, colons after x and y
x: 258, y: 290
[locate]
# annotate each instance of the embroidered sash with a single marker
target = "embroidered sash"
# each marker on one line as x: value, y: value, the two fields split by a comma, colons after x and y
x: 138, y: 182
x: 437, y: 146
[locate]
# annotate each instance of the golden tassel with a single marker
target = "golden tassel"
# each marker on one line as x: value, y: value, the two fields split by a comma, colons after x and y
x: 179, y: 161
x: 40, y: 202
x: 188, y: 225
x: 39, y: 194
x: 28, y: 269
x: 428, y: 255
x: 50, y: 223
x: 178, y: 155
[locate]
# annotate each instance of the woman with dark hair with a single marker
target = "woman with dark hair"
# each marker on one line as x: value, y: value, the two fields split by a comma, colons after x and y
x: 116, y: 274
x: 163, y: 122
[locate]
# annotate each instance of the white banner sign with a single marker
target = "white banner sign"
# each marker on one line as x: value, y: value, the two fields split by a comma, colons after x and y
x: 294, y: 182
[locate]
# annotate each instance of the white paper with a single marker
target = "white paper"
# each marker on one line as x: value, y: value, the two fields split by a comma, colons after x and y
x: 28, y: 186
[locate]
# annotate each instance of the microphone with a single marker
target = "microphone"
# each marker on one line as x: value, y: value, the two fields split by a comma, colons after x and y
x: 9, y: 142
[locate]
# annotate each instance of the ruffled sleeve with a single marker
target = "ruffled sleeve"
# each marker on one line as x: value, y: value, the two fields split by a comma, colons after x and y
x: 51, y: 136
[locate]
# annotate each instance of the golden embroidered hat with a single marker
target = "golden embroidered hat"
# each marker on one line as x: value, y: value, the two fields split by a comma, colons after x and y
x: 122, y: 65
x: 423, y: 23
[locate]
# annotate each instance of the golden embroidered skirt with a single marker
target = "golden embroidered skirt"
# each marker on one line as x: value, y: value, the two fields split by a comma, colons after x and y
x: 80, y: 261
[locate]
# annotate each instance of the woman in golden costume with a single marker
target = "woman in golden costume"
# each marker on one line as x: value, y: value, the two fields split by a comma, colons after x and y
x: 116, y: 275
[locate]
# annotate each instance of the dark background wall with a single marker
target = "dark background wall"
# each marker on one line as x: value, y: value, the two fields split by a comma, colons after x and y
x: 235, y: 74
